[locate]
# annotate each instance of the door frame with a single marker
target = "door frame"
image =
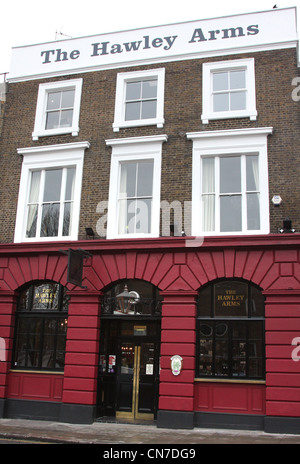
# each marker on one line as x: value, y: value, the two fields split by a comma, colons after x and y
x: 108, y: 383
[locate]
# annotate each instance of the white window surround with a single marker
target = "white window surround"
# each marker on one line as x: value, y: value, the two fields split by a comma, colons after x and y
x: 122, y: 79
x: 207, y: 90
x: 40, y: 116
x: 47, y: 157
x: 134, y: 149
x: 230, y: 142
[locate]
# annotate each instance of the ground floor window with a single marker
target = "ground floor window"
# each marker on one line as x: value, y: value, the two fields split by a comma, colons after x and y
x: 41, y: 327
x: 230, y: 331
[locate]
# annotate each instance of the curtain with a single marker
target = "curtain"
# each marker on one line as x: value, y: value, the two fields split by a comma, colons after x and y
x: 33, y: 203
x: 208, y: 194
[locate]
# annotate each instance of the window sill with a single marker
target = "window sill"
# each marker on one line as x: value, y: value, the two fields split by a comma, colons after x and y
x: 228, y: 115
x: 70, y: 130
x: 217, y: 380
x: 138, y: 123
x: 32, y: 371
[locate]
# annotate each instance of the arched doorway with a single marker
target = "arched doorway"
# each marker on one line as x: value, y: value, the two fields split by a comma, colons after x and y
x: 129, y: 351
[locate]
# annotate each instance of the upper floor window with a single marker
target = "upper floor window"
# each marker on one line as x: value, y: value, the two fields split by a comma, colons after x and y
x: 50, y: 191
x: 50, y: 202
x: 228, y: 90
x: 230, y: 182
x: 58, y: 108
x: 134, y: 194
x: 139, y: 99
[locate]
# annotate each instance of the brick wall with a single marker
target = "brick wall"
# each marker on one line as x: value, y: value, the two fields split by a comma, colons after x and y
x: 183, y: 106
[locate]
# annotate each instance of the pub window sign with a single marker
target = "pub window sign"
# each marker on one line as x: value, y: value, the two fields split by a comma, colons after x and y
x: 231, y: 300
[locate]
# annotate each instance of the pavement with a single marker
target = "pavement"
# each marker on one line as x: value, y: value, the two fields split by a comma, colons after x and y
x: 103, y: 433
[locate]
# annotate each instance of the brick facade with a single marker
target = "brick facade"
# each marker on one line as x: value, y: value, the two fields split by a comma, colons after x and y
x: 183, y: 106
x: 177, y: 267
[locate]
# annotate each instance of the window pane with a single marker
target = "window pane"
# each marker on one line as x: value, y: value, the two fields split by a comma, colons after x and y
x: 253, y: 216
x: 128, y: 180
x: 230, y: 174
x: 208, y: 201
x: 52, y: 189
x: 252, y: 173
x: 208, y: 213
x: 208, y: 175
x: 149, y: 89
x: 220, y: 81
x: 206, y: 349
x: 34, y: 341
x: 52, y: 121
x: 45, y: 297
x: 143, y: 216
x: 31, y: 221
x: 34, y: 186
x: 238, y: 101
x: 126, y: 216
x: 53, y: 102
x: 238, y: 79
x: 204, y: 303
x: 67, y: 100
x: 48, y: 343
x: 132, y: 111
x: 239, y: 337
x: 221, y: 350
x: 230, y: 299
x: 67, y: 219
x: 70, y: 184
x: 50, y: 220
x: 221, y: 102
x: 66, y: 118
x: 231, y: 213
x: 21, y: 343
x: 145, y: 179
x: 133, y: 90
x: 148, y: 109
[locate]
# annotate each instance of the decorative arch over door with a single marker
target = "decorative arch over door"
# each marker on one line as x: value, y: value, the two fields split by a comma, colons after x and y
x: 129, y: 351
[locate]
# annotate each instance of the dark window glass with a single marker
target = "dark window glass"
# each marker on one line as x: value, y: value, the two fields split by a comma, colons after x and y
x: 230, y: 331
x: 41, y: 327
x: 142, y: 299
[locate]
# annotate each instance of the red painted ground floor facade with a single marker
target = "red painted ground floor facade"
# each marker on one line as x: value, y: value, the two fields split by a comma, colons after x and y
x: 228, y: 310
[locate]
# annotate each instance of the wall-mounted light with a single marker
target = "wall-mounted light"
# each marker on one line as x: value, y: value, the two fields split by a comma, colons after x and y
x: 287, y: 227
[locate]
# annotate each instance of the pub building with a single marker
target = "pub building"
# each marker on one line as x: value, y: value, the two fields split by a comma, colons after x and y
x: 149, y: 256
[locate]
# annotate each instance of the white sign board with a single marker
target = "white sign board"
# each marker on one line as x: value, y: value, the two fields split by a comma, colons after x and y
x: 195, y: 39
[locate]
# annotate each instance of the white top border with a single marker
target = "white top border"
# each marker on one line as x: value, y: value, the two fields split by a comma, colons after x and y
x: 249, y: 32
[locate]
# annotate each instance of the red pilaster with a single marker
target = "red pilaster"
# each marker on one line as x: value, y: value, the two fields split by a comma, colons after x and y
x: 7, y: 318
x: 282, y: 371
x: 178, y: 336
x: 82, y: 348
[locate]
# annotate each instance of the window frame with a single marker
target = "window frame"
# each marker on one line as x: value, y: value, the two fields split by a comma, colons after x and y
x: 214, y: 320
x: 134, y: 149
x: 41, y: 113
x: 230, y: 142
x: 41, y: 315
x: 208, y: 69
x: 122, y: 80
x: 43, y: 158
